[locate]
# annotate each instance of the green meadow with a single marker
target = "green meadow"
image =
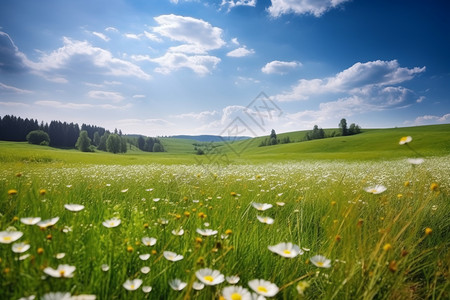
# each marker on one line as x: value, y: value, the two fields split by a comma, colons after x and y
x: 361, y: 217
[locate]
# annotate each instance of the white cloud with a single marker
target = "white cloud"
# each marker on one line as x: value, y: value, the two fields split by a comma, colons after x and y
x: 104, y: 95
x: 204, y: 115
x: 79, y: 52
x: 101, y: 35
x: 235, y: 41
x: 152, y: 37
x: 300, y: 7
x: 111, y: 29
x: 430, y: 119
x: 234, y: 3
x: 132, y: 36
x: 200, y: 64
x: 240, y: 52
x: 69, y: 105
x: 357, y: 79
x: 280, y: 67
x: 138, y: 96
x: 13, y: 104
x: 194, y: 32
x: 12, y: 89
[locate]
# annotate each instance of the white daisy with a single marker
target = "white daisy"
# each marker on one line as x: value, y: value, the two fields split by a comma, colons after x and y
x: 177, y: 284
x: 236, y: 292
x: 63, y: 271
x: 206, y: 232
x: 266, y: 220
x: 320, y: 261
x: 20, y: 247
x: 74, y: 207
x: 146, y: 289
x: 232, y: 279
x: 261, y: 206
x: 145, y: 270
x: 144, y: 256
x: 198, y: 286
x: 148, y: 241
x: 172, y: 256
x: 111, y: 223
x: 7, y: 237
x: 377, y: 189
x: 287, y: 250
x: 263, y: 287
x: 209, y: 276
x: 47, y: 223
x: 132, y: 285
x: 30, y: 220
x: 178, y: 232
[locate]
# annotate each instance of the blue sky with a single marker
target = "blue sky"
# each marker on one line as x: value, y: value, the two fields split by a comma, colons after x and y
x: 166, y: 67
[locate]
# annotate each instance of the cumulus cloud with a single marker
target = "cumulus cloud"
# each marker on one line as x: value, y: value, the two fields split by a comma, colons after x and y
x: 314, y: 7
x: 107, y: 96
x: 280, y: 67
x: 200, y: 64
x: 358, y: 79
x: 431, y: 119
x: 193, y: 32
x: 83, y: 53
x: 229, y: 4
x: 101, y: 36
x: 240, y: 52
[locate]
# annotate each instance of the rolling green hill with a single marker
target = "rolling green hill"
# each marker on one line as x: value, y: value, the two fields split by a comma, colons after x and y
x: 371, y: 144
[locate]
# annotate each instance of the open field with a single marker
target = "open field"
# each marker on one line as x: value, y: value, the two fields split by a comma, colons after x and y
x: 375, y: 244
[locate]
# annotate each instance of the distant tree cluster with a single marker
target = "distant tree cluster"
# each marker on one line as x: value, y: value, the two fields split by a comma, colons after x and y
x: 316, y: 133
x: 353, y: 129
x: 149, y: 144
x: 274, y: 140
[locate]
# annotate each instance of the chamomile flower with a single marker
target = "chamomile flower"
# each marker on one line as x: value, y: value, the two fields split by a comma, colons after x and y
x: 210, y: 277
x: 30, y: 220
x: 198, y: 286
x: 8, y: 237
x: 144, y: 256
x: 20, y: 247
x: 261, y: 206
x: 132, y: 285
x: 263, y: 287
x: 111, y: 223
x: 105, y: 268
x: 63, y: 271
x: 236, y: 293
x: 177, y: 285
x: 148, y: 241
x: 146, y: 289
x: 405, y: 140
x: 74, y: 207
x: 265, y: 220
x: 287, y: 250
x: 172, y: 256
x: 48, y: 223
x: 145, y: 270
x: 377, y: 189
x: 232, y: 279
x: 206, y: 232
x: 320, y: 261
x: 178, y: 232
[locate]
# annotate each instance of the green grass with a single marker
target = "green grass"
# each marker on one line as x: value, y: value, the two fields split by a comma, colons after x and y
x: 326, y: 211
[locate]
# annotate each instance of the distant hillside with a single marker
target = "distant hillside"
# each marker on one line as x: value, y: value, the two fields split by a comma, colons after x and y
x: 210, y: 138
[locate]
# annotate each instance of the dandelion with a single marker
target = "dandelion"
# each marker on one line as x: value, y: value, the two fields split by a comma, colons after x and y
x: 74, y: 207
x: 236, y: 293
x: 434, y: 186
x: 144, y: 256
x: 266, y: 220
x: 8, y: 237
x: 178, y: 232
x: 146, y: 289
x: 415, y: 161
x: 198, y: 286
x: 287, y: 250
x: 20, y: 247
x: 40, y: 250
x: 132, y: 285
x: 145, y: 270
x: 201, y: 215
x: 377, y: 189
x: 111, y: 223
x: 321, y: 261
x: 57, y: 296
x: 302, y: 286
x: 387, y: 247
x: 393, y: 266
x: 172, y: 256
x: 210, y: 277
x: 12, y: 192
x: 405, y: 140
x: 428, y: 231
x: 177, y: 285
x: 232, y: 279
x: 42, y: 192
x: 206, y: 232
x: 233, y: 194
x: 263, y: 287
x: 30, y: 220
x: 148, y: 241
x: 261, y: 206
x: 63, y: 271
x: 47, y: 223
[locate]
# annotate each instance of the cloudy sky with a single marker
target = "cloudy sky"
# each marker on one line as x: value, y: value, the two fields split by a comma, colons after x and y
x: 165, y: 67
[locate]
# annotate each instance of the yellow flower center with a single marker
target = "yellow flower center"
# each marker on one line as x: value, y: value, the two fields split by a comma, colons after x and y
x: 111, y: 223
x: 62, y: 272
x: 132, y: 287
x: 209, y: 278
x: 320, y: 263
x: 236, y: 296
x: 286, y: 252
x: 7, y: 238
x: 262, y: 289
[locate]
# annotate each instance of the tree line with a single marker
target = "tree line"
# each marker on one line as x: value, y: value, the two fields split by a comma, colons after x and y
x: 69, y: 135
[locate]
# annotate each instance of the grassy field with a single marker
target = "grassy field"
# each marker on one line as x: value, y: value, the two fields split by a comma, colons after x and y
x: 379, y: 223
